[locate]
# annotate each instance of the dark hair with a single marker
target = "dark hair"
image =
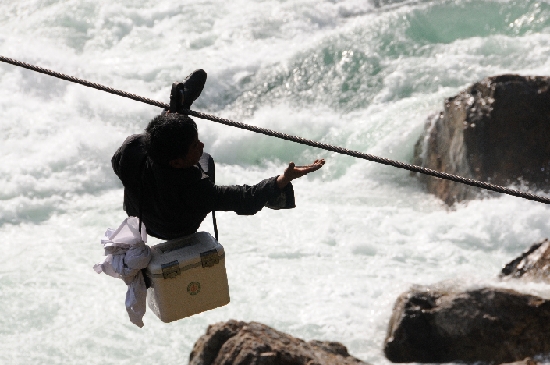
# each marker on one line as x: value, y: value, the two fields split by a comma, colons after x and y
x: 169, y: 136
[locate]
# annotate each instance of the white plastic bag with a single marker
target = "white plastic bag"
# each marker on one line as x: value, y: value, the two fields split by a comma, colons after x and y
x: 125, y: 255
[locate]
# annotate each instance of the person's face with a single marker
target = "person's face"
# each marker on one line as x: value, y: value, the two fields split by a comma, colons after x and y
x: 191, y: 158
x: 195, y: 152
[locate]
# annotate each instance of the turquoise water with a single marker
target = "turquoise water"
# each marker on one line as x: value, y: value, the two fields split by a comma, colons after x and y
x: 362, y: 75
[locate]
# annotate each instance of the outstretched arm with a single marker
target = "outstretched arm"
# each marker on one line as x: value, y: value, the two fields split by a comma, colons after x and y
x: 293, y: 172
x: 274, y: 193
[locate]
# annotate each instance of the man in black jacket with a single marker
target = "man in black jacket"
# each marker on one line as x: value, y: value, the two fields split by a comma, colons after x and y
x: 166, y: 186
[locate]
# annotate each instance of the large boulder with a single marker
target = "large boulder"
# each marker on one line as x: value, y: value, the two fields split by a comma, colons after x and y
x: 432, y: 325
x: 253, y: 343
x: 526, y: 361
x: 532, y: 265
x: 495, y: 131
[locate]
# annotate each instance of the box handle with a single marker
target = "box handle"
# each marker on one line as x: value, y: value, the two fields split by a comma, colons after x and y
x: 209, y: 258
x: 170, y: 270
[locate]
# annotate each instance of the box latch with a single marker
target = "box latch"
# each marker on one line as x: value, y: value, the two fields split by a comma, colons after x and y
x: 209, y: 258
x: 171, y: 269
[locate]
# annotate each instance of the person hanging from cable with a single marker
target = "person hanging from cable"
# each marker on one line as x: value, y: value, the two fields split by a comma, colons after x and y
x: 165, y: 173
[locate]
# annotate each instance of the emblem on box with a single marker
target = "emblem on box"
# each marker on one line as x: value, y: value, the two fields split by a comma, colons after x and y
x: 194, y: 288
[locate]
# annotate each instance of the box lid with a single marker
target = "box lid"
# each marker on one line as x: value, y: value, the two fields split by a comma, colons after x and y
x: 171, y: 257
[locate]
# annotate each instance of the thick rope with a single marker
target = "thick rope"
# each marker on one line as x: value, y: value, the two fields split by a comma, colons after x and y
x: 269, y: 132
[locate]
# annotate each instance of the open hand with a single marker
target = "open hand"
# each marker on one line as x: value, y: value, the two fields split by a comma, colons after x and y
x: 293, y: 172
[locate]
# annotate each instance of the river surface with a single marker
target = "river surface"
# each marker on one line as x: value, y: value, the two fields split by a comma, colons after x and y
x: 363, y: 75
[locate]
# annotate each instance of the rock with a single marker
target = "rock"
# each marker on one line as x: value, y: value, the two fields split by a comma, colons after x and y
x: 526, y: 361
x: 533, y: 264
x: 242, y: 343
x: 495, y: 131
x: 492, y: 325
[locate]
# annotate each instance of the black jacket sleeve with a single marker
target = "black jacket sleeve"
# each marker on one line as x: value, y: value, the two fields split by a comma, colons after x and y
x: 248, y: 200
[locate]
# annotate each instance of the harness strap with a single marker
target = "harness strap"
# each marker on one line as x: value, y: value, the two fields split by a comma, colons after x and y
x: 215, y: 224
x: 213, y: 212
x: 142, y: 171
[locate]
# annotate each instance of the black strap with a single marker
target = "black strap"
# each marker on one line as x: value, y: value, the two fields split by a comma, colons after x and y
x: 215, y: 224
x: 211, y: 178
x: 142, y: 171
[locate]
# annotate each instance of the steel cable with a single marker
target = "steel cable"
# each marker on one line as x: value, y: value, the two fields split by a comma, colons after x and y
x: 300, y: 140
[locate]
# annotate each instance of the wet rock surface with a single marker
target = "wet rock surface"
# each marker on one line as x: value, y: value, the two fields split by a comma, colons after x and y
x: 532, y: 265
x: 492, y: 325
x: 247, y: 343
x: 526, y: 361
x: 495, y: 131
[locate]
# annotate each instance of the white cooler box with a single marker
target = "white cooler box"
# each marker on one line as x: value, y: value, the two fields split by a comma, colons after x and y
x: 187, y: 277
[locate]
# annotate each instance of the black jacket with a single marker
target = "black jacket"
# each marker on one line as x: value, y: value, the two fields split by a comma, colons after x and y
x: 174, y: 202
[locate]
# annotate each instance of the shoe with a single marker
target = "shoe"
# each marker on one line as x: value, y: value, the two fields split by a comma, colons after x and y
x: 184, y: 93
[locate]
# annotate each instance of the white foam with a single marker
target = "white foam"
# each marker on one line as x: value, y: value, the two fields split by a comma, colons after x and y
x: 330, y: 269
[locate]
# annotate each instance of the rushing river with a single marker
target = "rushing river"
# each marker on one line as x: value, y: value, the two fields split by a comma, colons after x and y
x: 359, y: 74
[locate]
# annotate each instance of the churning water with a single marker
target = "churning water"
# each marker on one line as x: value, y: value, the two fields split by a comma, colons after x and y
x: 359, y: 74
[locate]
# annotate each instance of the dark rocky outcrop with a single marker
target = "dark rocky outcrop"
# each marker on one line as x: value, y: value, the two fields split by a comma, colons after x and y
x: 253, y: 343
x: 526, y: 361
x: 492, y: 325
x: 495, y: 131
x: 533, y: 264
